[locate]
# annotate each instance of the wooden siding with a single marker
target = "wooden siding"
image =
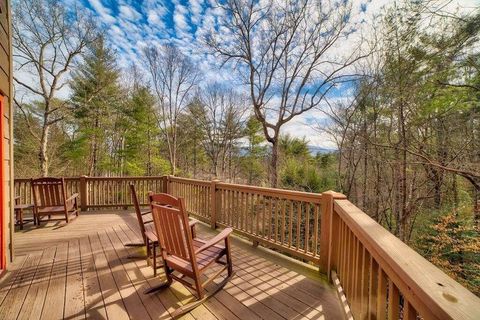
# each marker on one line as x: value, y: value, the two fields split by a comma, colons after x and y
x: 75, y: 271
x: 7, y: 117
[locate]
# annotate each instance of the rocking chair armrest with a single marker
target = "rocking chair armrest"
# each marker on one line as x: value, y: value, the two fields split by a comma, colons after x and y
x: 70, y: 202
x: 73, y: 196
x: 192, y: 223
x: 213, y: 241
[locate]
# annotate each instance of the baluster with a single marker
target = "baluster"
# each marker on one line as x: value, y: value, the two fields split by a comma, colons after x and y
x: 248, y: 212
x: 224, y: 206
x: 202, y: 200
x: 316, y: 212
x: 341, y: 252
x: 354, y: 277
x: 307, y: 225
x: 275, y: 219
x: 290, y: 225
x: 349, y: 269
x: 269, y: 222
x: 237, y: 209
x: 245, y: 212
x: 381, y: 294
x: 393, y: 301
x: 372, y: 289
x: 364, y: 284
x: 207, y: 201
x: 230, y: 207
x: 264, y: 214
x: 220, y: 208
x: 409, y: 312
x: 257, y: 215
x: 299, y: 222
x: 282, y: 231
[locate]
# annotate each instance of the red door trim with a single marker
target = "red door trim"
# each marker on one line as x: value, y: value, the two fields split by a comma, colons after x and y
x: 3, y: 214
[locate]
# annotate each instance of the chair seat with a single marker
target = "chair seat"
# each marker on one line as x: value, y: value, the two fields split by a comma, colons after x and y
x: 23, y: 206
x: 151, y: 233
x: 151, y: 236
x: 59, y: 209
x: 204, y: 258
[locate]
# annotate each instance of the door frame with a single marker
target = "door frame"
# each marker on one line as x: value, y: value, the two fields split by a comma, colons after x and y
x: 3, y: 212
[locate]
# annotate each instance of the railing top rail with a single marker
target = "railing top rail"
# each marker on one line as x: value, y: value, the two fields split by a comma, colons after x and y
x: 446, y: 298
x: 125, y: 178
x: 298, y: 195
x: 18, y: 180
x: 188, y: 180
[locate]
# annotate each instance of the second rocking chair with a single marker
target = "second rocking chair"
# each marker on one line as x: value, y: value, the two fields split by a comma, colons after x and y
x: 189, y: 256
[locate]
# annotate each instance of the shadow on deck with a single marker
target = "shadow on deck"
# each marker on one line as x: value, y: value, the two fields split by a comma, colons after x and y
x: 80, y: 270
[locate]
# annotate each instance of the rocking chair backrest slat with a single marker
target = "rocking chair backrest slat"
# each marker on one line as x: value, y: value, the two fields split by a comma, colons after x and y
x: 48, y: 192
x: 171, y: 230
x: 138, y: 212
x: 171, y: 223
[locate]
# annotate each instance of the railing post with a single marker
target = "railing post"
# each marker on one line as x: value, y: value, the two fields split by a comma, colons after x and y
x: 214, y: 203
x: 326, y: 232
x: 165, y: 184
x: 83, y: 193
x: 169, y: 184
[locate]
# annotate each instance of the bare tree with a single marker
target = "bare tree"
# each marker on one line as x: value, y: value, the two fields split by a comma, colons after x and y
x: 220, y: 114
x: 47, y: 38
x: 174, y: 78
x: 286, y: 52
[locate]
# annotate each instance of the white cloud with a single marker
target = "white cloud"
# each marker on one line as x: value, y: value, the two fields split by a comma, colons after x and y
x: 129, y: 13
x: 196, y: 8
x: 102, y: 11
x: 153, y: 18
x: 180, y: 19
x: 132, y: 27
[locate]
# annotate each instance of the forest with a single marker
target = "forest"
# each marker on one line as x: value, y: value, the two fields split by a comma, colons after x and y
x: 407, y: 134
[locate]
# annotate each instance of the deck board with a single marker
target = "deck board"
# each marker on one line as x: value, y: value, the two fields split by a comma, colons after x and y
x: 81, y: 270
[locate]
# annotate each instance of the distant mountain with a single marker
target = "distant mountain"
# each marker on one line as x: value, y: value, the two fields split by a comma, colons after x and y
x: 314, y: 150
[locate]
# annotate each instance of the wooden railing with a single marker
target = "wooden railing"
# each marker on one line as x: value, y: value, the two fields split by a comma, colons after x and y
x: 100, y: 192
x: 383, y: 278
x: 23, y: 189
x: 286, y: 220
x: 380, y: 276
x: 197, y: 195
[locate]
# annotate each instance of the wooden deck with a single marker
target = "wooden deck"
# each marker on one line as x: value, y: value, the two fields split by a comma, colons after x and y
x: 80, y: 271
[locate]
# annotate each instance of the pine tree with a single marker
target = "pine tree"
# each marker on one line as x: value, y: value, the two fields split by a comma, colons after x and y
x: 252, y: 161
x: 96, y: 99
x: 140, y: 153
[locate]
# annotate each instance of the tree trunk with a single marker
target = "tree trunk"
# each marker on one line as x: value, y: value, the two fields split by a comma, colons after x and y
x: 93, y: 157
x: 195, y: 157
x: 149, y: 154
x: 42, y: 155
x: 274, y: 164
x: 173, y: 165
x: 476, y: 208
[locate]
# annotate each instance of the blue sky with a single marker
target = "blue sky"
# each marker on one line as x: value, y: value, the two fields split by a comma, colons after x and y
x: 132, y: 25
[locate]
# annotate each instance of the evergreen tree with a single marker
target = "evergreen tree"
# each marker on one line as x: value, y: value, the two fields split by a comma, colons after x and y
x: 96, y: 99
x: 256, y: 152
x: 140, y: 152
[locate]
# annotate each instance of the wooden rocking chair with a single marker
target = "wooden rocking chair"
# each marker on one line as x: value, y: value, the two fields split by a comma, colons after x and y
x: 151, y: 239
x: 50, y: 198
x: 147, y: 230
x: 188, y: 256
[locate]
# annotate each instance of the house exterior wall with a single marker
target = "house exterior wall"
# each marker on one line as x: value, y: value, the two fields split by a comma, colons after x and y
x: 6, y: 90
